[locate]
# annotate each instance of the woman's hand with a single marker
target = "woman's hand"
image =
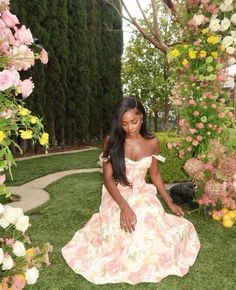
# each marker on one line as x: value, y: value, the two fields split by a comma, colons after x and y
x: 128, y: 219
x: 176, y: 210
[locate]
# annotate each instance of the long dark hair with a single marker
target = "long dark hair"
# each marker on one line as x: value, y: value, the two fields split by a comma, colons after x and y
x: 115, y: 145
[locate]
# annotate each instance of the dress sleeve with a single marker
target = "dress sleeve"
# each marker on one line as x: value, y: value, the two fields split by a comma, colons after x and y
x: 159, y: 157
x: 102, y: 159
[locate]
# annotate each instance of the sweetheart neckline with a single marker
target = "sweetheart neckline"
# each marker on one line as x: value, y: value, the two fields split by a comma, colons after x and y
x: 139, y: 159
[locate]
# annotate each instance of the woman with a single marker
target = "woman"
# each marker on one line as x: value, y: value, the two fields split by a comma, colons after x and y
x: 132, y: 239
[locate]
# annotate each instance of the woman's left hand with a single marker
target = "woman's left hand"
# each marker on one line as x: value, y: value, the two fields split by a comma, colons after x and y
x: 176, y: 210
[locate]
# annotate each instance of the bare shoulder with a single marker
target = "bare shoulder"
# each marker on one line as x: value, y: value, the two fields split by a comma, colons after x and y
x: 154, y: 145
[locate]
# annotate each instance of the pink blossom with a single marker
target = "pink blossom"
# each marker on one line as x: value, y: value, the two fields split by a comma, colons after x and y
x: 196, y: 113
x: 22, y: 57
x: 192, y: 130
x: 9, y: 19
x: 199, y: 138
x: 26, y: 87
x: 189, y: 149
x: 2, y: 25
x: 9, y: 242
x: 8, y: 79
x: 209, y: 125
x: 2, y: 178
x: 181, y: 154
x: 169, y: 146
x: 43, y: 56
x: 191, y: 102
x: 195, y: 142
x: 221, y: 115
x: 192, y: 166
x: 218, y: 130
x: 189, y: 139
x: 230, y: 114
x: 24, y: 35
x: 205, y: 1
x: 192, y: 22
x: 213, y: 106
x: 199, y: 125
x: 18, y: 282
x: 177, y: 102
x: 212, y: 9
x: 192, y: 78
x: 221, y: 76
x: 196, y: 43
x: 207, y: 95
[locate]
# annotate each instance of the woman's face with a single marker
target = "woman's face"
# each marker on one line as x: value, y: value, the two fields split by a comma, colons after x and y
x: 131, y: 122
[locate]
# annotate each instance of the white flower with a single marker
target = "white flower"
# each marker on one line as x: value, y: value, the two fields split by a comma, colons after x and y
x: 31, y: 275
x: 199, y: 18
x: 228, y: 40
x: 7, y: 262
x: 226, y: 8
x: 1, y: 209
x: 228, y: 2
x: 233, y: 33
x: 230, y: 50
x: 214, y: 24
x: 233, y: 18
x: 23, y: 223
x: 19, y: 249
x: 12, y: 214
x: 231, y: 60
x: 225, y: 24
x: 1, y: 255
x: 4, y: 223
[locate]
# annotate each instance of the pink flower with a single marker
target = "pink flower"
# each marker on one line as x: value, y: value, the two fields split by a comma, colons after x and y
x: 181, y: 154
x: 2, y: 178
x: 9, y: 19
x: 192, y: 130
x: 177, y: 102
x: 221, y: 76
x: 189, y: 149
x: 43, y: 56
x: 192, y: 78
x: 192, y: 166
x: 230, y: 114
x: 24, y: 35
x: 26, y: 87
x: 213, y: 106
x: 8, y: 78
x: 192, y: 22
x: 199, y: 125
x: 221, y: 115
x: 196, y: 113
x: 209, y: 125
x: 218, y: 130
x: 22, y: 57
x: 169, y: 146
x: 191, y: 102
x: 195, y: 142
x: 19, y: 282
x: 196, y: 43
x: 189, y: 139
x: 199, y: 138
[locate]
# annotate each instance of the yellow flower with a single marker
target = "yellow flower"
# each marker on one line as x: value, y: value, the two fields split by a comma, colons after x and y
x: 26, y: 134
x: 30, y: 252
x: 23, y: 111
x: 175, y: 52
x: 2, y: 136
x: 212, y: 39
x: 33, y: 120
x: 186, y: 46
x: 192, y: 54
x: 184, y: 62
x: 202, y: 53
x: 222, y: 47
x: 214, y: 54
x: 227, y: 223
x: 44, y: 139
x: 204, y: 31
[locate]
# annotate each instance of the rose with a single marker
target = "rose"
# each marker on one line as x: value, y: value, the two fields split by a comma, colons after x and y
x: 7, y: 262
x: 3, y: 223
x: 199, y: 18
x: 43, y: 56
x: 12, y: 214
x: 9, y: 19
x: 1, y: 255
x: 26, y: 87
x: 23, y: 223
x: 31, y: 275
x: 24, y: 35
x: 233, y: 18
x: 227, y: 41
x: 19, y: 249
x: 214, y: 24
x: 225, y: 24
x: 230, y: 50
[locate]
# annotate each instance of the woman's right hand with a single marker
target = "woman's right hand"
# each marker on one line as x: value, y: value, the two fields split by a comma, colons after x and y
x: 128, y: 219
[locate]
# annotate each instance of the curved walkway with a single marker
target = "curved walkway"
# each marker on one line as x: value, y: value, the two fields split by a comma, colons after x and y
x: 33, y: 194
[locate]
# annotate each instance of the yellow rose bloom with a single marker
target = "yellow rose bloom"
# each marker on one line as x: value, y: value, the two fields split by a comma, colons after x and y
x: 23, y: 111
x: 204, y: 31
x: 30, y: 252
x: 212, y: 39
x: 44, y: 139
x: 2, y: 136
x: 202, y: 53
x: 222, y: 47
x: 33, y: 120
x: 184, y: 62
x: 26, y: 134
x: 192, y: 54
x: 175, y: 52
x: 214, y: 54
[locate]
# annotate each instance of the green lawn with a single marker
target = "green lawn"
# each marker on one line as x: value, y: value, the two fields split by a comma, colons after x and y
x: 75, y: 198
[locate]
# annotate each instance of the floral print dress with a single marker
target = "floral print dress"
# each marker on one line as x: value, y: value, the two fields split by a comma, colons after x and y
x: 161, y: 245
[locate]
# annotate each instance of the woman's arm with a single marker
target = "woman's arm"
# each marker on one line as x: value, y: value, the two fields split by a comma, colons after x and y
x: 157, y: 181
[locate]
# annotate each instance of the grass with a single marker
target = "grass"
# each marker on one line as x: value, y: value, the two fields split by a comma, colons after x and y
x: 75, y: 198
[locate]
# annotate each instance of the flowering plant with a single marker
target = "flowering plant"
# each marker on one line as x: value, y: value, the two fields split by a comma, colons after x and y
x: 16, y: 54
x: 208, y: 47
x: 19, y: 261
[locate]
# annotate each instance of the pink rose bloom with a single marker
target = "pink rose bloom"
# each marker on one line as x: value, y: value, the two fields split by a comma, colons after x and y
x: 221, y: 76
x: 192, y: 78
x: 191, y: 102
x: 199, y: 125
x: 169, y: 146
x: 192, y: 130
x: 209, y: 125
x: 24, y: 35
x: 2, y: 178
x: 43, y: 56
x: 221, y: 115
x: 218, y: 130
x: 2, y: 25
x: 230, y: 114
x: 26, y: 87
x: 195, y: 142
x: 23, y: 57
x: 196, y: 43
x: 181, y: 154
x: 205, y: 2
x: 213, y: 106
x: 6, y: 114
x: 196, y: 113
x: 177, y: 102
x: 18, y: 283
x: 189, y: 149
x: 9, y: 19
x: 199, y: 138
x: 189, y: 139
x: 7, y: 79
x: 192, y: 22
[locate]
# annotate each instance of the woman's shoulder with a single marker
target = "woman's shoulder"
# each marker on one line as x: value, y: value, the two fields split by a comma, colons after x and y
x: 154, y: 144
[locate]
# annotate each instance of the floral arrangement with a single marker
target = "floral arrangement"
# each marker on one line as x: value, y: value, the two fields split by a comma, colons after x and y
x: 16, y: 54
x: 19, y: 261
x: 208, y: 31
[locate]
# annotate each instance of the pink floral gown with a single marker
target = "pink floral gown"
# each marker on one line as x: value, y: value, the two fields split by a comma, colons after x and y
x: 161, y: 245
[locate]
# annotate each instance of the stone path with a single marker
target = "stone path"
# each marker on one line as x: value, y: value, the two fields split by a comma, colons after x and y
x: 33, y: 194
